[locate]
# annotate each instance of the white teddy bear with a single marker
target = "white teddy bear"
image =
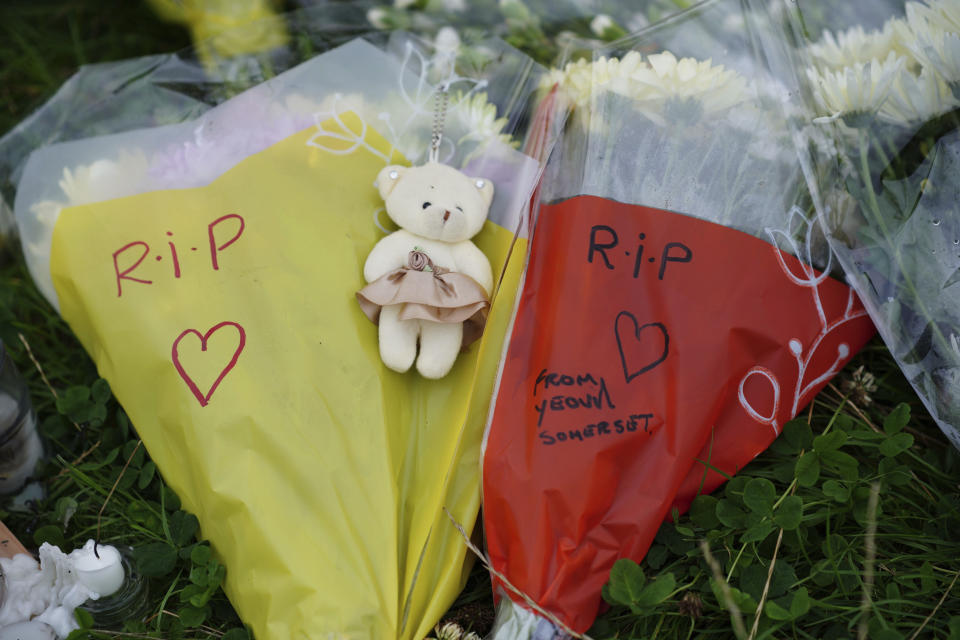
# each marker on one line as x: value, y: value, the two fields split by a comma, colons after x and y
x: 428, y: 281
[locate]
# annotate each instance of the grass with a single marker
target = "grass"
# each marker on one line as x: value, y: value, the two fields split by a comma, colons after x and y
x: 849, y: 526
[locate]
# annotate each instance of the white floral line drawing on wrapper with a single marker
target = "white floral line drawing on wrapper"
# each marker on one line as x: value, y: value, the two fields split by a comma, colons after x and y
x: 420, y: 102
x: 810, y: 280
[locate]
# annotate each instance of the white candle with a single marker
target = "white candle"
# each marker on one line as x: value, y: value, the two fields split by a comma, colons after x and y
x: 104, y: 574
x: 28, y: 631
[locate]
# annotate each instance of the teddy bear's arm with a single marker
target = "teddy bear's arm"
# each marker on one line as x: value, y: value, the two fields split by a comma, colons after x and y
x: 387, y: 255
x: 472, y: 262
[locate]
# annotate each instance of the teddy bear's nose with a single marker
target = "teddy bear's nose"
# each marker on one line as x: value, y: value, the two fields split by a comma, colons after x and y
x: 446, y: 215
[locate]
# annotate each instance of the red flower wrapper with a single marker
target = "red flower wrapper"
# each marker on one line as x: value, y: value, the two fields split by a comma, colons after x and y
x: 671, y: 321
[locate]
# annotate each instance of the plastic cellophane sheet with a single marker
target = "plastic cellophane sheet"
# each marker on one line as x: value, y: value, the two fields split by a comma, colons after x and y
x: 207, y: 258
x: 677, y: 311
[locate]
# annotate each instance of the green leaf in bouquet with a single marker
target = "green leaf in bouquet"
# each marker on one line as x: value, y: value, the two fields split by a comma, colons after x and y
x: 897, y: 419
x: 626, y: 582
x: 798, y: 433
x: 73, y: 400
x: 730, y: 515
x: 146, y: 475
x: 654, y: 593
x: 156, y: 559
x: 183, y: 526
x: 703, y: 511
x: 51, y: 534
x: 808, y: 469
x: 896, y: 444
x: 894, y: 473
x: 800, y: 604
x: 759, y: 495
x: 829, y: 441
x: 757, y: 532
x: 836, y: 490
x: 900, y: 197
x: 200, y: 554
x: 656, y: 556
x: 743, y: 601
x: 84, y: 618
x: 64, y: 510
x: 789, y: 514
x: 842, y: 463
x: 775, y: 612
x: 192, y: 616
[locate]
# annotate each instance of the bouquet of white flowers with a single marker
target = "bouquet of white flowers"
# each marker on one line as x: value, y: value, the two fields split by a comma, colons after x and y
x: 677, y: 312
x: 205, y: 235
x: 881, y: 142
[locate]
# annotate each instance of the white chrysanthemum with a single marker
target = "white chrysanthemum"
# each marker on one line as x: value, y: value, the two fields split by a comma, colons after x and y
x: 667, y: 85
x: 449, y: 631
x: 617, y: 74
x: 580, y: 79
x: 855, y: 90
x: 942, y: 13
x: 104, y: 179
x: 857, y: 45
x: 915, y: 98
x: 479, y: 118
x: 936, y: 49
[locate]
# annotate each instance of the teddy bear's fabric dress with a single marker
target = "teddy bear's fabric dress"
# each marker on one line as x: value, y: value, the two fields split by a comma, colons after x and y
x: 429, y: 292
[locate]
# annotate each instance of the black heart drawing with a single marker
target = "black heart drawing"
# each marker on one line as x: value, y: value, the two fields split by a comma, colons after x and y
x: 637, y: 332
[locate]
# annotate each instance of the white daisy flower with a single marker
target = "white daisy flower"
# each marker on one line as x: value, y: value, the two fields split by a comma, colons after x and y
x: 479, y: 118
x: 914, y: 98
x: 857, y: 45
x: 855, y: 90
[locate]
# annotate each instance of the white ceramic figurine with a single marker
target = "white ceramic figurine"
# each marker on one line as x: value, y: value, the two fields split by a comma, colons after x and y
x: 428, y: 283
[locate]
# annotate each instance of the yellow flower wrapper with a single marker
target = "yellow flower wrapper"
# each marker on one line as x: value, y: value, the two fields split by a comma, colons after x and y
x: 224, y: 319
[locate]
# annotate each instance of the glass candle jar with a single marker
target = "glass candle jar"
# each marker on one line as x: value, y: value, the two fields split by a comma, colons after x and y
x: 129, y: 602
x: 20, y: 444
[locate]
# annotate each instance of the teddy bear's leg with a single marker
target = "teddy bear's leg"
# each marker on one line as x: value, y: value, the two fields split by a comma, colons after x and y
x: 398, y: 339
x: 439, y: 346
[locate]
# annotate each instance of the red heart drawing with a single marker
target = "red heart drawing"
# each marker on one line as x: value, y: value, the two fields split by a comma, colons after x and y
x: 639, y: 348
x: 202, y: 398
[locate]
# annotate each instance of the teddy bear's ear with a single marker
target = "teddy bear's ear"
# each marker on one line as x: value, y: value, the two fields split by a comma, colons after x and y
x: 485, y: 187
x: 388, y: 178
